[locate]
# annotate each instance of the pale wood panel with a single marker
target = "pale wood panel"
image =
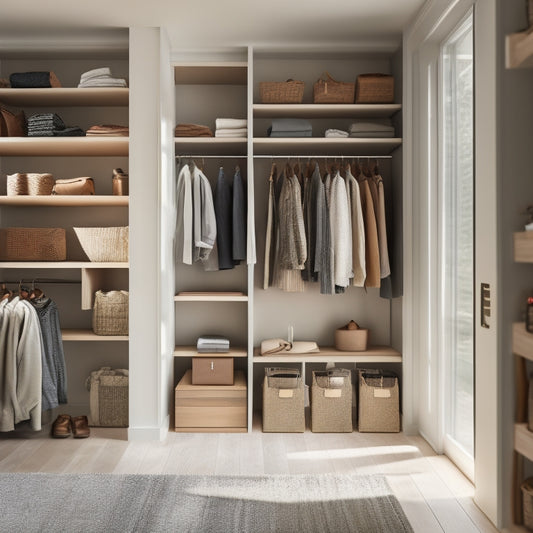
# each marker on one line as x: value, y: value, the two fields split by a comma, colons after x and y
x: 519, y: 50
x: 64, y: 146
x: 132, y: 458
x: 186, y: 146
x: 185, y: 384
x: 75, y: 265
x: 523, y: 246
x: 92, y: 279
x: 210, y: 430
x: 88, y: 335
x: 208, y: 397
x: 209, y: 73
x: 212, y: 417
x: 522, y: 341
x: 66, y: 96
x: 191, y: 351
x: 523, y: 441
x: 325, y: 110
x: 210, y: 297
x: 66, y: 201
x: 228, y: 454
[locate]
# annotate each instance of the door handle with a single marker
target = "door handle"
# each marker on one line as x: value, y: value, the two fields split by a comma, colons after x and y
x: 485, y: 304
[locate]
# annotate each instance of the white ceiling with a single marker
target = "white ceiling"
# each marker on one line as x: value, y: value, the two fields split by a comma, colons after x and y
x: 197, y: 24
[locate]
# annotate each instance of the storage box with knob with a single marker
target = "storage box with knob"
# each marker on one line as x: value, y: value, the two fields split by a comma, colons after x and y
x: 212, y: 371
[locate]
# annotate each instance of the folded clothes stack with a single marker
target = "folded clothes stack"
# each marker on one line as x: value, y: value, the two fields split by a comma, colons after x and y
x: 192, y: 130
x: 290, y: 127
x: 374, y: 128
x: 33, y: 80
x: 231, y: 127
x: 336, y: 133
x: 100, y: 77
x: 108, y: 130
x: 4, y: 83
x: 51, y: 125
x: 212, y: 344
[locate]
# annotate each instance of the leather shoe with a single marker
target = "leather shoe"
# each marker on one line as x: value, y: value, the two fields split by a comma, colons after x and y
x: 80, y: 427
x: 61, y: 428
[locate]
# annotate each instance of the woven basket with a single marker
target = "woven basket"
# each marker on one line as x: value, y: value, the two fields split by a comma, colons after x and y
x: 281, y: 92
x: 108, y: 397
x: 31, y: 184
x: 110, y: 313
x: 379, y: 402
x: 527, y: 501
x: 331, y: 401
x: 33, y: 244
x: 374, y: 89
x: 328, y: 90
x: 104, y: 244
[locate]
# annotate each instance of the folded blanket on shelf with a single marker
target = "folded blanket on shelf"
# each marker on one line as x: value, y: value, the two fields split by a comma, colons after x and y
x: 336, y: 133
x: 100, y: 77
x: 281, y: 134
x: 230, y: 123
x: 291, y: 125
x: 242, y: 132
x: 375, y: 126
x: 192, y: 130
x: 33, y: 80
x: 45, y: 121
x: 212, y: 343
x: 95, y: 73
x: 108, y: 130
x: 373, y: 134
x: 69, y: 132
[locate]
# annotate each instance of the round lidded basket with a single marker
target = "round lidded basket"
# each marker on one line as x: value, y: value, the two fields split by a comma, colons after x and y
x: 30, y: 184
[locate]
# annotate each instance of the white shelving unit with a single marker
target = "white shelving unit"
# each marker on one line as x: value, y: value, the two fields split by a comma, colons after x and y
x: 65, y: 201
x: 63, y: 146
x: 325, y: 110
x: 65, y: 97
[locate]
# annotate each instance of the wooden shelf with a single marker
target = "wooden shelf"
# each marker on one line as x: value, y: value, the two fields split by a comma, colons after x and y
x: 65, y: 201
x: 219, y: 73
x: 190, y: 351
x: 326, y: 146
x: 61, y: 264
x: 325, y: 110
x: 523, y: 441
x: 523, y: 246
x: 211, y: 146
x: 327, y: 354
x: 210, y: 297
x: 519, y: 50
x: 66, y: 96
x: 88, y: 335
x: 522, y: 341
x: 63, y: 146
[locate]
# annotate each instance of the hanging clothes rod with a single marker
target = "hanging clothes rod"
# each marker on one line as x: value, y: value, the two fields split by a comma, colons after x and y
x: 307, y: 156
x: 42, y: 281
x: 211, y: 157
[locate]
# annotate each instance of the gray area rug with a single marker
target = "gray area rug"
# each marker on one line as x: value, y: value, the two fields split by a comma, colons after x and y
x: 169, y: 503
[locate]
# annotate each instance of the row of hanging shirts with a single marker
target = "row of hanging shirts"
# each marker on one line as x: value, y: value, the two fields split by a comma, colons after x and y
x: 32, y: 363
x: 326, y: 226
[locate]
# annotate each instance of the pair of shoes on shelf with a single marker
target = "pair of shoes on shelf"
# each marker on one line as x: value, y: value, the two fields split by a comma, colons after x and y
x: 65, y: 426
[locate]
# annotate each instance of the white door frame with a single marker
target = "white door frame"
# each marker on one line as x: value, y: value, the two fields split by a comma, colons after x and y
x: 420, y: 335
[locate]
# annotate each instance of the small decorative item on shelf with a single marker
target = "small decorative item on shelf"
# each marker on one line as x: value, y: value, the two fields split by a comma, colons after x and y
x: 374, y: 89
x: 120, y: 182
x: 104, y: 244
x: 74, y: 187
x: 29, y: 184
x: 327, y: 90
x: 282, y: 92
x: 527, y: 500
x: 33, y: 244
x: 351, y: 338
x: 12, y: 125
x: 110, y: 313
x: 529, y: 315
x: 108, y: 397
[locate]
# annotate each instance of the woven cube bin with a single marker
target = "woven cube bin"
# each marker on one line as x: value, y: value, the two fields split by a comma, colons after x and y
x: 109, y: 401
x: 379, y: 402
x: 33, y: 244
x: 111, y: 313
x: 283, y: 401
x: 331, y: 401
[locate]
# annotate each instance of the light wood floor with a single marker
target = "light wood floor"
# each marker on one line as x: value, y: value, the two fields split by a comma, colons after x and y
x: 433, y: 493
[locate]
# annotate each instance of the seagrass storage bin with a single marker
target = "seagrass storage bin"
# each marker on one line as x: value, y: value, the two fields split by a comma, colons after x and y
x: 281, y: 92
x: 331, y: 401
x: 527, y: 502
x: 29, y: 184
x: 327, y: 90
x: 283, y: 401
x: 374, y: 89
x: 108, y: 397
x: 33, y: 244
x: 530, y: 404
x: 379, y: 402
x: 110, y: 313
x: 104, y: 244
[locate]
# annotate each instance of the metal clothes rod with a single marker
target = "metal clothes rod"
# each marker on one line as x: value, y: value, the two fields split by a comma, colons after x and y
x: 211, y: 157
x: 292, y: 156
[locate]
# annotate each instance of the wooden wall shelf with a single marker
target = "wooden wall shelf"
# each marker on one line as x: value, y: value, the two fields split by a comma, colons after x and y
x: 82, y: 335
x: 61, y: 264
x: 191, y: 351
x: 63, y: 146
x: 209, y: 73
x: 325, y: 110
x: 522, y: 341
x: 210, y: 146
x: 65, y: 201
x: 519, y: 50
x: 210, y: 297
x: 523, y: 246
x: 66, y: 96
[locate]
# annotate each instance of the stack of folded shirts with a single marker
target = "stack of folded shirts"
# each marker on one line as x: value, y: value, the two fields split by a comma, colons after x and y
x: 336, y: 133
x: 51, y: 125
x: 108, y: 130
x: 192, y: 130
x: 33, y: 80
x: 290, y: 127
x: 4, y: 83
x: 231, y: 127
x: 100, y: 77
x: 374, y: 128
x: 212, y: 344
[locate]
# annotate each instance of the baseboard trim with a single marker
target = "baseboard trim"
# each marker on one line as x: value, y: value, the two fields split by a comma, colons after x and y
x: 157, y: 433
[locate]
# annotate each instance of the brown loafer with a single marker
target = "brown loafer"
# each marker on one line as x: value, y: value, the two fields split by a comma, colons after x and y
x: 80, y: 427
x: 61, y: 428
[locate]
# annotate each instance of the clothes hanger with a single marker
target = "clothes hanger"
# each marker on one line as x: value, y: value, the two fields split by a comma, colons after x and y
x: 6, y: 293
x: 35, y: 292
x: 24, y: 292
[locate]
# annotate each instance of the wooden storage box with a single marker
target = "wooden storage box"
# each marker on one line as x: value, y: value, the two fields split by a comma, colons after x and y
x: 215, y: 408
x: 374, y: 89
x: 212, y: 371
x: 33, y: 244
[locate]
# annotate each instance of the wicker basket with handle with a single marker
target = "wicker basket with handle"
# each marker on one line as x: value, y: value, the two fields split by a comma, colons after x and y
x: 281, y: 92
x: 527, y: 501
x: 327, y: 90
x: 31, y: 183
x: 379, y: 402
x: 33, y: 244
x: 108, y: 397
x: 110, y: 313
x: 374, y: 89
x: 104, y: 244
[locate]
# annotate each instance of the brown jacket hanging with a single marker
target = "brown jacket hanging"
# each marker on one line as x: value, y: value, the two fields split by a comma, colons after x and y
x: 371, y: 237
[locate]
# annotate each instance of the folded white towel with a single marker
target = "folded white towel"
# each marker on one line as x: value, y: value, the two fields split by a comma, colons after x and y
x: 230, y: 123
x: 243, y: 132
x: 336, y: 133
x: 103, y: 82
x: 104, y: 71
